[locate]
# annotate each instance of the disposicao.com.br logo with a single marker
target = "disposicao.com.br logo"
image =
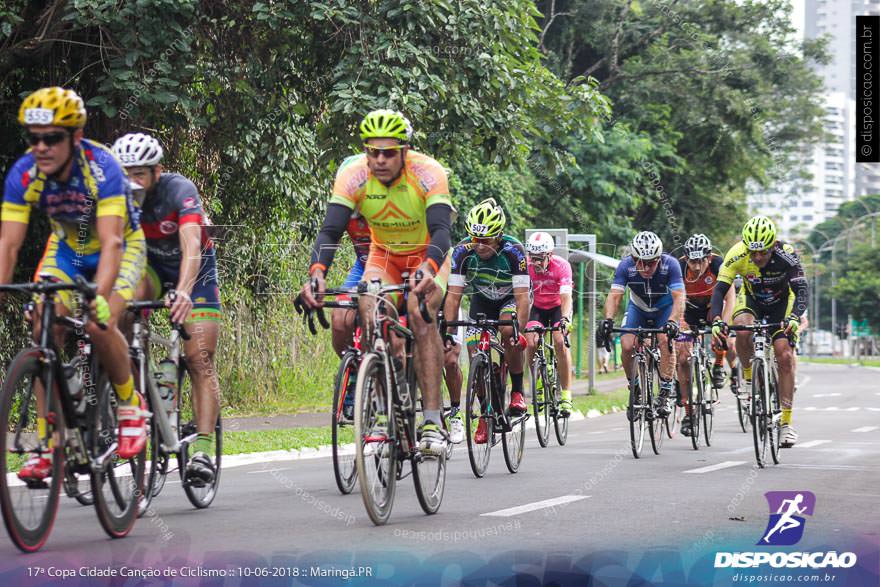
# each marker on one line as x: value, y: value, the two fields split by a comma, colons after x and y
x: 785, y: 528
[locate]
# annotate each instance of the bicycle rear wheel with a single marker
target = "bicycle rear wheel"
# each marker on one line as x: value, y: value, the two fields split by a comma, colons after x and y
x: 671, y: 421
x: 344, y: 469
x: 694, y: 400
x: 637, y: 409
x: 655, y: 429
x: 157, y: 470
x: 513, y: 441
x: 375, y: 439
x: 540, y: 409
x: 28, y: 510
x: 117, y: 483
x: 742, y: 408
x: 759, y: 414
x: 479, y: 414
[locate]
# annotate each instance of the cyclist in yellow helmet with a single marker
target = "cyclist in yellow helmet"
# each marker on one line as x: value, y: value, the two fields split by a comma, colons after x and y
x: 95, y: 233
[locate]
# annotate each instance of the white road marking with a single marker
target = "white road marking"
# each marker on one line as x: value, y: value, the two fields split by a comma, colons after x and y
x: 811, y: 443
x: 865, y: 429
x: 852, y: 409
x: 810, y: 409
x: 825, y: 395
x: 823, y: 467
x: 538, y: 505
x: 267, y: 471
x: 803, y: 382
x: 832, y: 409
x: 874, y: 409
x: 719, y: 466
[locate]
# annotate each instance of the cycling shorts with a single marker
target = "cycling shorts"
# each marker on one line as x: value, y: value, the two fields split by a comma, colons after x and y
x: 491, y: 309
x: 62, y: 262
x: 635, y: 317
x: 390, y: 268
x: 547, y: 318
x: 746, y: 304
x: 205, y: 292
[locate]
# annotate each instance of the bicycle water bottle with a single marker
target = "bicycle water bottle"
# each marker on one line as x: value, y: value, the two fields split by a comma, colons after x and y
x: 166, y: 379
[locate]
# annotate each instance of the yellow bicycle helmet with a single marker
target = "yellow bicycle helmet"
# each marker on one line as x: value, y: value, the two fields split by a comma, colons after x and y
x: 53, y: 106
x: 485, y: 220
x: 386, y: 124
x: 759, y: 233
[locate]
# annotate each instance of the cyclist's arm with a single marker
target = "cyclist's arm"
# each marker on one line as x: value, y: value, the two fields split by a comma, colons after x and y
x: 719, y: 295
x: 335, y: 222
x: 523, y: 305
x: 109, y: 228
x: 439, y: 219
x: 677, y: 306
x: 453, y: 303
x: 797, y: 282
x: 566, y: 303
x: 729, y: 303
x: 612, y: 303
x: 190, y: 235
x: 12, y: 235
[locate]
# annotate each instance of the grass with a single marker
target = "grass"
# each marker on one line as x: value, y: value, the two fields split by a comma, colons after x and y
x: 841, y: 361
x: 600, y: 401
x: 283, y: 439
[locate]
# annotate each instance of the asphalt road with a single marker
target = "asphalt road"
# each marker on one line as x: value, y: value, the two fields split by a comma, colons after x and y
x: 600, y: 500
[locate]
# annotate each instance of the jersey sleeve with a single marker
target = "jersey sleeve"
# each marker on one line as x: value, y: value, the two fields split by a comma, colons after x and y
x: 732, y: 264
x: 675, y: 280
x: 459, y: 261
x: 519, y: 265
x: 564, y: 277
x: 15, y: 208
x: 186, y: 200
x: 715, y: 264
x: 350, y: 179
x: 433, y: 178
x: 619, y: 282
x: 114, y: 191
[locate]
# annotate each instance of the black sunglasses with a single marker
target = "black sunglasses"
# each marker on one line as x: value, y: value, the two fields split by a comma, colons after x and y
x: 49, y: 138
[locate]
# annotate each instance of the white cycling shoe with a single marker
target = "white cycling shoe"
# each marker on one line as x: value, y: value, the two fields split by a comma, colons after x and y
x: 787, y: 436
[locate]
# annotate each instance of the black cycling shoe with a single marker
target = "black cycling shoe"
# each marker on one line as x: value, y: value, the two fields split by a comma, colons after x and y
x: 717, y: 376
x: 686, y: 426
x: 200, y: 470
x: 663, y: 402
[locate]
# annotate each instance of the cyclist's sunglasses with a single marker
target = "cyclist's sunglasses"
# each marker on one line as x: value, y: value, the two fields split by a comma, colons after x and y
x: 643, y: 265
x: 387, y: 152
x: 49, y: 138
x: 482, y: 240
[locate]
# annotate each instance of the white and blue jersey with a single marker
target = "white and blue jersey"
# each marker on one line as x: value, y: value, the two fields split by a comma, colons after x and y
x: 650, y: 299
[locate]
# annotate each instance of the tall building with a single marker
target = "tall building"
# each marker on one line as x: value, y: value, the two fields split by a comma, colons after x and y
x: 867, y: 175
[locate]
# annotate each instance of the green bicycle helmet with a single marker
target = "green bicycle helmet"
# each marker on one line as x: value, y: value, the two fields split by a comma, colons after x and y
x: 485, y: 220
x: 759, y: 233
x: 386, y: 124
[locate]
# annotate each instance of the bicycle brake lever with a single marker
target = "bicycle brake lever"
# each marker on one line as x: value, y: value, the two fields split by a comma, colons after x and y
x: 322, y: 319
x: 311, y: 322
x: 423, y: 307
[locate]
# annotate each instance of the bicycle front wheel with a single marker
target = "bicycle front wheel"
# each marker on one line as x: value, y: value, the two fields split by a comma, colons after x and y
x: 742, y: 407
x: 694, y: 400
x: 638, y: 408
x: 709, y: 399
x: 29, y: 509
x: 117, y: 483
x: 344, y: 469
x: 655, y: 430
x: 540, y: 405
x: 375, y: 439
x: 774, y: 422
x: 199, y: 493
x: 759, y: 413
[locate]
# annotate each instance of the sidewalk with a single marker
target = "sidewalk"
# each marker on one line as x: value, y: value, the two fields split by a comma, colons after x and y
x: 319, y: 419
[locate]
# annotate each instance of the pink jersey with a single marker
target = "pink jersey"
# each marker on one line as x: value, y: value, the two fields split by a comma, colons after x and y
x: 547, y: 286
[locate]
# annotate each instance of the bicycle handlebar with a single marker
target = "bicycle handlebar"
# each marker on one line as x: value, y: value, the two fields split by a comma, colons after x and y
x: 88, y: 290
x: 138, y: 306
x: 482, y: 322
x: 641, y: 332
x: 542, y: 329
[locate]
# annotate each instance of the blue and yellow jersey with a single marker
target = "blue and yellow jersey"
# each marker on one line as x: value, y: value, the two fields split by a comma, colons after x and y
x: 97, y: 187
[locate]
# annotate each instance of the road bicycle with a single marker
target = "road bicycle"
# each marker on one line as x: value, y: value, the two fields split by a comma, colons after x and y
x: 386, y: 408
x: 641, y: 411
x: 702, y: 395
x: 80, y: 430
x: 488, y: 395
x: 546, y: 396
x: 764, y: 412
x: 172, y: 404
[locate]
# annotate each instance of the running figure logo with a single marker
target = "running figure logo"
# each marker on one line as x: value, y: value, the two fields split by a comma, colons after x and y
x: 786, y: 524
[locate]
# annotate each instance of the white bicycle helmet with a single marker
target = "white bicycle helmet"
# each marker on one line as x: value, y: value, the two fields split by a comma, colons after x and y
x: 698, y: 246
x: 540, y: 243
x: 646, y: 246
x: 137, y: 150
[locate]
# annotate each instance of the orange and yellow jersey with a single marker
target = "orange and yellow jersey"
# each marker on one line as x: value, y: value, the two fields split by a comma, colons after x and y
x: 395, y: 213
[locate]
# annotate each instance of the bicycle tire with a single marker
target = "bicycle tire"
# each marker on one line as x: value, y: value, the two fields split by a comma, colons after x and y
x: 200, y: 494
x: 72, y: 487
x: 513, y: 441
x: 774, y: 426
x: 657, y: 425
x: 560, y: 421
x: 540, y: 409
x: 694, y: 399
x: 117, y: 484
x: 638, y: 422
x: 344, y: 468
x: 158, y: 470
x: 28, y: 537
x: 429, y: 477
x: 478, y: 454
x: 670, y: 422
x: 375, y: 458
x: 758, y: 414
x: 742, y: 409
x: 708, y: 408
